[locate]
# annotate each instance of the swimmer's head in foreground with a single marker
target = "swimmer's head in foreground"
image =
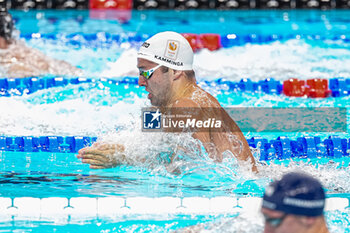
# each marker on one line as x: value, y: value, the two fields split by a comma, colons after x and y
x: 294, y: 204
x: 164, y: 61
x: 6, y: 25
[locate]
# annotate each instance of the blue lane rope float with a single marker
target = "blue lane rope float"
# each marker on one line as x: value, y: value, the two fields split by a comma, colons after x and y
x: 69, y: 144
x: 280, y: 148
x: 303, y: 147
x: 339, y: 87
x: 19, y: 86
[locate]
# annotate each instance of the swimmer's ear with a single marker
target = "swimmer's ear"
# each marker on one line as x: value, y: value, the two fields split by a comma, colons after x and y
x: 177, y: 74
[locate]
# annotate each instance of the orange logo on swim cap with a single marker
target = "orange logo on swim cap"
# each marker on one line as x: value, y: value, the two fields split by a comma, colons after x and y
x: 172, y: 49
x: 172, y: 46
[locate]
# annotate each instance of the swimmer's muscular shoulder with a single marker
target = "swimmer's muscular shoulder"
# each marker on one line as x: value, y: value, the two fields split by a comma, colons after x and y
x: 197, y: 98
x: 184, y: 103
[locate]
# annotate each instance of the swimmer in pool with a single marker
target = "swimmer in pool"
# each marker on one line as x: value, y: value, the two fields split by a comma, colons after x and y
x: 292, y: 204
x: 18, y: 60
x: 165, y: 64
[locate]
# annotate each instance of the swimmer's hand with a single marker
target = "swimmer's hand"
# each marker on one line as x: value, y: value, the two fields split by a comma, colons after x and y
x: 101, y: 156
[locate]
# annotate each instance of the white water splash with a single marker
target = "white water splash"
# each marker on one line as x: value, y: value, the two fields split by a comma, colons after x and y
x: 124, y: 66
x: 46, y: 112
x: 280, y: 60
x: 333, y: 175
x: 244, y: 223
x: 254, y: 223
x: 28, y: 116
x: 76, y: 114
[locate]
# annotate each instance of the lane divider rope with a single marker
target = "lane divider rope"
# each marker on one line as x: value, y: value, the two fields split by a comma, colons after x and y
x: 211, y: 41
x: 280, y: 148
x: 314, y: 88
x: 56, y: 207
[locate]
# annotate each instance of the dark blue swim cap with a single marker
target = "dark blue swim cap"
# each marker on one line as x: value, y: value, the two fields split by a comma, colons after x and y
x: 296, y: 193
x: 6, y: 24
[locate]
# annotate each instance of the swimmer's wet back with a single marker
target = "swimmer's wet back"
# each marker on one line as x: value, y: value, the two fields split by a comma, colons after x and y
x: 17, y: 60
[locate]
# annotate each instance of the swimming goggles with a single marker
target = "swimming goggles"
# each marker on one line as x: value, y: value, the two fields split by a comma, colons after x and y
x: 148, y: 73
x: 274, y: 222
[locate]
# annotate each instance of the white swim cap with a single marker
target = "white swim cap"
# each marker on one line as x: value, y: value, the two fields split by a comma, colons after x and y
x: 169, y: 49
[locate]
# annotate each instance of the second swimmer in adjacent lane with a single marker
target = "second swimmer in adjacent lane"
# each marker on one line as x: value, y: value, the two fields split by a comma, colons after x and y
x: 18, y: 60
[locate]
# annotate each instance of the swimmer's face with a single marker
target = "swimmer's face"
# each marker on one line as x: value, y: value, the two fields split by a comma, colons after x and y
x: 286, y: 223
x: 158, y: 85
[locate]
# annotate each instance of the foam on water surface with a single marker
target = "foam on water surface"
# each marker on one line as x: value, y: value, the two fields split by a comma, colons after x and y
x: 293, y: 58
x: 99, y: 109
x: 95, y: 108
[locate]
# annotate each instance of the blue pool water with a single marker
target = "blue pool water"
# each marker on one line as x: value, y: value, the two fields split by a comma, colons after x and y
x: 36, y: 188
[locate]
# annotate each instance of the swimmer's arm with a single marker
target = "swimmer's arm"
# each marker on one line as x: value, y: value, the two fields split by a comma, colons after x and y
x: 204, y: 137
x: 216, y: 143
x: 238, y: 146
x: 101, y: 156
